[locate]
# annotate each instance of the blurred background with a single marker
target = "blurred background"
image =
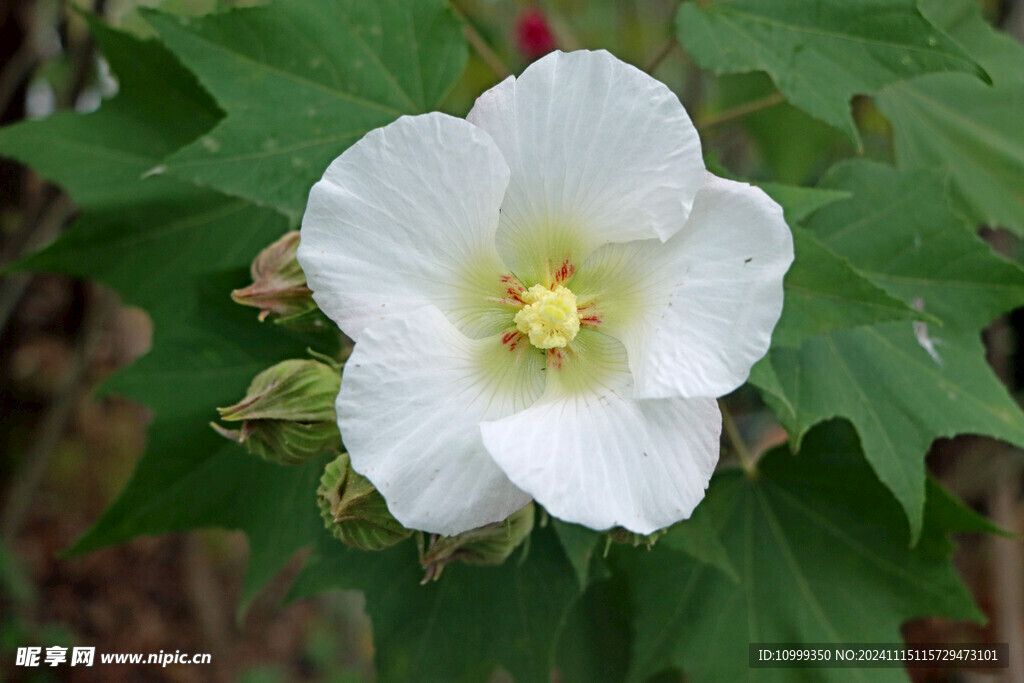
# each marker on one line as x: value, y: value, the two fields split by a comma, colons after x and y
x: 65, y: 452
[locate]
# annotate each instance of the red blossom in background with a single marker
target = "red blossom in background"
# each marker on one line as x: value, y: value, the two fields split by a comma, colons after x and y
x: 533, y: 35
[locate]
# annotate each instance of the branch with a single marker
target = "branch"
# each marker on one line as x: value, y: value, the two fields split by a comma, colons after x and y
x: 53, y: 422
x: 489, y: 56
x: 664, y: 51
x: 747, y: 461
x: 741, y: 111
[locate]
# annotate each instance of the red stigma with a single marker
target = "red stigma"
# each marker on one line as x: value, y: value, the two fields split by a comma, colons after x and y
x: 513, y: 290
x: 511, y: 339
x: 566, y: 271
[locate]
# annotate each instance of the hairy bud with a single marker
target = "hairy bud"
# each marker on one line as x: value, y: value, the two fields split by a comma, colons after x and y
x: 534, y: 37
x: 279, y: 287
x: 490, y: 544
x: 354, y: 511
x: 287, y: 414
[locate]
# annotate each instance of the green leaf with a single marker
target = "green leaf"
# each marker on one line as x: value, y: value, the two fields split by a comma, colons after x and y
x: 585, y: 547
x: 949, y: 512
x: 979, y: 146
x: 582, y: 546
x: 595, y: 640
x: 902, y: 384
x: 301, y: 81
x: 822, y: 556
x: 798, y: 203
x: 825, y: 293
x: 698, y: 538
x: 820, y: 52
x: 190, y: 477
x: 143, y: 249
x: 787, y: 144
x: 165, y: 244
x: 898, y: 230
x: 97, y: 155
x: 462, y: 626
x: 140, y: 230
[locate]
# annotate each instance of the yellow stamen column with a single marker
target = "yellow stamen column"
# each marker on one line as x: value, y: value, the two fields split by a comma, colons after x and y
x: 549, y: 317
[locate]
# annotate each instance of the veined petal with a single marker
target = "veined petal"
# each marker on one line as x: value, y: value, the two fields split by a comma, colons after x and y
x: 696, y: 312
x: 599, y: 151
x: 412, y: 396
x: 593, y: 455
x: 404, y: 218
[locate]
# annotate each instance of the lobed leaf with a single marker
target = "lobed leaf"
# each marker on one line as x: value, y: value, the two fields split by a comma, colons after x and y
x: 815, y: 541
x: 461, y: 627
x: 820, y: 52
x: 968, y: 129
x: 177, y: 250
x: 825, y: 293
x: 301, y: 81
x: 902, y: 384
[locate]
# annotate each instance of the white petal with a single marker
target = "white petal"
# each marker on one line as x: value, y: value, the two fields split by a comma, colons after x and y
x: 599, y: 151
x: 696, y: 312
x: 595, y: 456
x: 412, y: 396
x: 405, y: 218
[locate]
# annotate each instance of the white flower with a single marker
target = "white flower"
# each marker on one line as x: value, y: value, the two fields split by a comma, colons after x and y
x: 546, y: 299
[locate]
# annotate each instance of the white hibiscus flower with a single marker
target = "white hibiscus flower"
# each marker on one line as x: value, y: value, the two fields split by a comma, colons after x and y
x: 545, y: 298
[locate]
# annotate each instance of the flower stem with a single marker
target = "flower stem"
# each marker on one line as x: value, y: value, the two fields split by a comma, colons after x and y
x: 742, y: 110
x: 747, y: 460
x: 489, y: 56
x: 664, y: 51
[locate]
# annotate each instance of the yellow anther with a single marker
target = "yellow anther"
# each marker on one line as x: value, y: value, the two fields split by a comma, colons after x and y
x: 549, y: 317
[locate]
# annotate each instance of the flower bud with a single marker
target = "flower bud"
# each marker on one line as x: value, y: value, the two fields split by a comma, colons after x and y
x: 533, y: 34
x: 627, y: 537
x: 287, y: 414
x: 490, y: 544
x: 279, y: 287
x: 354, y: 511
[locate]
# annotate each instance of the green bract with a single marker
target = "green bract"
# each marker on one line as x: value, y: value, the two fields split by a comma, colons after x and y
x: 488, y: 545
x: 279, y: 287
x: 353, y: 511
x: 287, y: 414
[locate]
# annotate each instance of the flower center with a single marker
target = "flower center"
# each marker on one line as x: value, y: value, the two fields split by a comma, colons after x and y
x: 549, y: 317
